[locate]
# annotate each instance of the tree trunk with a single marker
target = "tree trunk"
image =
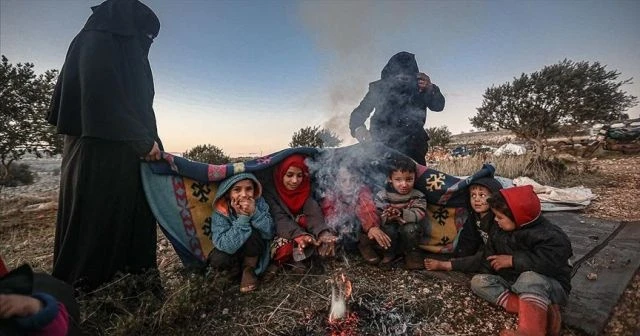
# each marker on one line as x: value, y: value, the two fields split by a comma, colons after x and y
x: 539, y: 147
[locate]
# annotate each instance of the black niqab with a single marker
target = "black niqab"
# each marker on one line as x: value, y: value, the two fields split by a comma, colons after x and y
x: 105, y: 89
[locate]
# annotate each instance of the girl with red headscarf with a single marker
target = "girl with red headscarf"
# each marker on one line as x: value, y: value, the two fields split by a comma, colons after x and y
x: 300, y: 226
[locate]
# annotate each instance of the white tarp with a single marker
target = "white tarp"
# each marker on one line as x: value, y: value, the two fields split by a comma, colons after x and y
x: 552, y: 198
x: 510, y: 149
x: 574, y: 197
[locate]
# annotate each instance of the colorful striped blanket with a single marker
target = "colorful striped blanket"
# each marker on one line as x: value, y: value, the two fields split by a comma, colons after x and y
x: 180, y: 193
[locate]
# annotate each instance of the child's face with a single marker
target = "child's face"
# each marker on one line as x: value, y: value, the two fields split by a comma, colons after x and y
x: 504, y: 222
x: 345, y: 180
x: 479, y: 195
x: 241, y: 190
x: 402, y: 181
x: 292, y: 178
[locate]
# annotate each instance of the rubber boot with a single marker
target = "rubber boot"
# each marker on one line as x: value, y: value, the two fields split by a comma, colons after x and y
x: 554, y: 320
x: 509, y: 301
x: 532, y: 320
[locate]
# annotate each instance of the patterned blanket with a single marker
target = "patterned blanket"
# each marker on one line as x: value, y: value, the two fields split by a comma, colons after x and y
x: 180, y: 192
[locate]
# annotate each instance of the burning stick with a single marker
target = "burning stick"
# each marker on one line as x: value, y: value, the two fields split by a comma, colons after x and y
x: 340, y: 294
x: 341, y: 321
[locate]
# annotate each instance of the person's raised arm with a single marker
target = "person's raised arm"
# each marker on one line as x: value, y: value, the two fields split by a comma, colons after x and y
x: 360, y: 114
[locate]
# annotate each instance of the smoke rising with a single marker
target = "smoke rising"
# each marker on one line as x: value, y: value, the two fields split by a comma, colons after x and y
x: 347, y: 32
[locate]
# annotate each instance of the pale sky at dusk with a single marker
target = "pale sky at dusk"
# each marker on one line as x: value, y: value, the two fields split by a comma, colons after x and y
x: 245, y: 75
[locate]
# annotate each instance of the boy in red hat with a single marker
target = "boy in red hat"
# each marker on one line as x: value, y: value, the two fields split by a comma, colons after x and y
x: 526, y: 263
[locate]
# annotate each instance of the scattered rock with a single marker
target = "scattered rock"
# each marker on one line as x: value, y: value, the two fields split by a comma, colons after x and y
x: 592, y: 276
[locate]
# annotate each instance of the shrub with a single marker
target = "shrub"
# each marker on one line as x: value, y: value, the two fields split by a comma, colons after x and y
x: 19, y: 174
x: 543, y: 170
x: 208, y: 154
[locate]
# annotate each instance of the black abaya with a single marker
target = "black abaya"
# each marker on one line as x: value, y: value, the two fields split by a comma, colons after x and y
x: 102, y: 103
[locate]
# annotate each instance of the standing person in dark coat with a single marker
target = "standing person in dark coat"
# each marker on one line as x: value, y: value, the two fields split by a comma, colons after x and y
x: 400, y: 99
x: 526, y: 263
x: 102, y: 104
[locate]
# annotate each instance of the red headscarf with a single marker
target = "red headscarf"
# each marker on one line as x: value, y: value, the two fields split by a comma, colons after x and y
x: 293, y: 199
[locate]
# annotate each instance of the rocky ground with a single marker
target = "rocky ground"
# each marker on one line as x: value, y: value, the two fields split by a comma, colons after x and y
x: 391, y: 303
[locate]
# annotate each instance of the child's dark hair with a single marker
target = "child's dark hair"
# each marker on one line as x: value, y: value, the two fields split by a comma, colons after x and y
x: 498, y: 203
x: 402, y: 164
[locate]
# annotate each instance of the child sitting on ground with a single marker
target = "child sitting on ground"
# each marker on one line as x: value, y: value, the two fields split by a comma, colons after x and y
x: 526, y: 263
x: 475, y: 232
x: 402, y: 210
x: 241, y: 228
x: 29, y: 303
x: 301, y: 230
x: 349, y: 208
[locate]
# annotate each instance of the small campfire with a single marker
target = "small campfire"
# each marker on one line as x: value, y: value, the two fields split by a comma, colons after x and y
x: 342, y: 321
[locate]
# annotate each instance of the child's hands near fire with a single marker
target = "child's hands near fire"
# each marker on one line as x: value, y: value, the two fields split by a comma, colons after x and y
x: 304, y: 240
x: 244, y: 205
x: 327, y: 244
x: 375, y: 233
x: 393, y: 214
x: 500, y: 261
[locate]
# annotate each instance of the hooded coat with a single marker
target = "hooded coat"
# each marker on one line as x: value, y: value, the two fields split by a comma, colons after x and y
x: 400, y: 109
x: 102, y: 103
x: 475, y: 232
x: 229, y: 231
x: 535, y: 245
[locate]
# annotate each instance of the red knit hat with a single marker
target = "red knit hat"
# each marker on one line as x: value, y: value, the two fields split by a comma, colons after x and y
x: 523, y: 203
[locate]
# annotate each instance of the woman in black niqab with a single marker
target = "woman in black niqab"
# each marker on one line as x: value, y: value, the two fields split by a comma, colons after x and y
x: 103, y: 104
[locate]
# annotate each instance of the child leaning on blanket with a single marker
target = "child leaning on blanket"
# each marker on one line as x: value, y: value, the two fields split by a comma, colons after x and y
x: 402, y: 210
x: 241, y: 228
x: 475, y: 232
x: 526, y: 263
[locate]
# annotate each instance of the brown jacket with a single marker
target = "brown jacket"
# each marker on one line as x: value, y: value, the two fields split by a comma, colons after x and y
x: 285, y: 222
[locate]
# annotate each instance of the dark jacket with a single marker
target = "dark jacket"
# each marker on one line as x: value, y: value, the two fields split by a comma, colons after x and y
x: 475, y: 232
x: 470, y: 248
x: 400, y: 109
x: 285, y: 222
x: 536, y: 244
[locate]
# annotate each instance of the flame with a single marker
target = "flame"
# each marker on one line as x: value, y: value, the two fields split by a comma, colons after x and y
x: 347, y: 286
x: 341, y: 321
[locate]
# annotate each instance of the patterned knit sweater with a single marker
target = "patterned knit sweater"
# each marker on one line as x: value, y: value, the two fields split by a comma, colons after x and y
x: 413, y: 205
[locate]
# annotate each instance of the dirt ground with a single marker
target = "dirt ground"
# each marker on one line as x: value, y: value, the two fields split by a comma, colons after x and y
x: 383, y: 303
